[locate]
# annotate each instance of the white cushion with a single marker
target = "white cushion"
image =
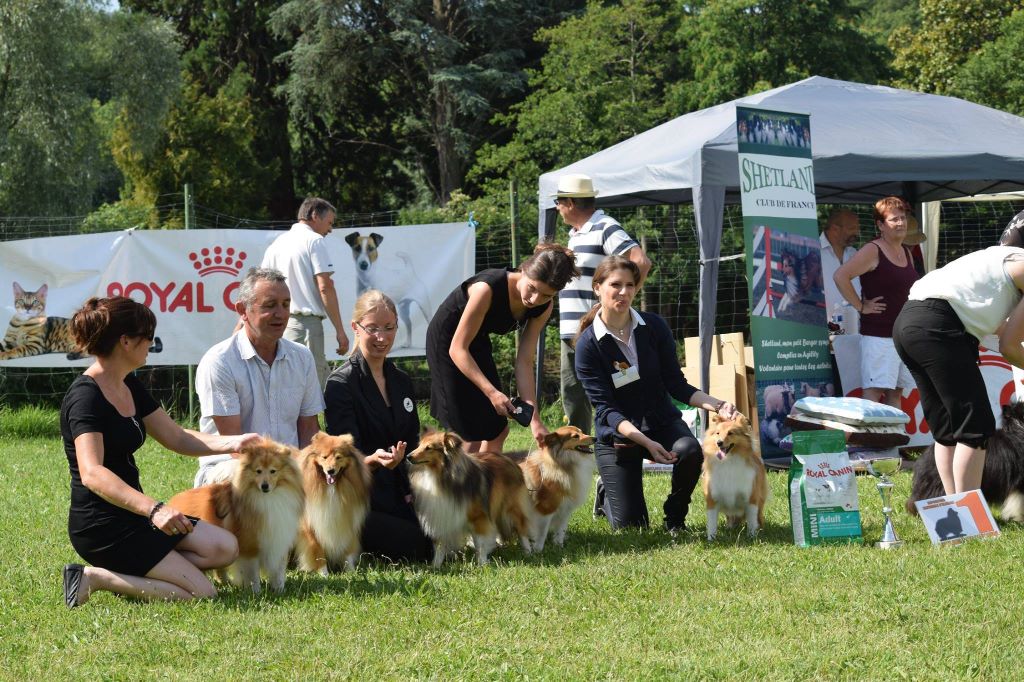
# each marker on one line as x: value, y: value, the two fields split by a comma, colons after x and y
x: 855, y: 411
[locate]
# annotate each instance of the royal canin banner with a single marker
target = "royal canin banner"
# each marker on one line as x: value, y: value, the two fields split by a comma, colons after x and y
x: 190, y: 280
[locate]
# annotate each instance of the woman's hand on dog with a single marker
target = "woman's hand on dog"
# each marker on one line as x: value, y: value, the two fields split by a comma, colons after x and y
x: 540, y: 431
x: 727, y: 410
x: 171, y: 521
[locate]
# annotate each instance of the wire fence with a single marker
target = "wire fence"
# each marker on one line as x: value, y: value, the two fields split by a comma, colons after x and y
x: 668, y: 233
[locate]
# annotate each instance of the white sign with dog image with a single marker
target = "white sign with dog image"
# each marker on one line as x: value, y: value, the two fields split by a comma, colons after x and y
x: 952, y: 519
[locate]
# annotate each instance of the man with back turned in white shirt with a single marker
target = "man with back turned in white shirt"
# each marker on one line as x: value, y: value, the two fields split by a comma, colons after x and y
x: 301, y: 254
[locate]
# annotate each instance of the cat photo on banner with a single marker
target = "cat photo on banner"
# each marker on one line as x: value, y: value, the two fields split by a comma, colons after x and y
x: 30, y: 332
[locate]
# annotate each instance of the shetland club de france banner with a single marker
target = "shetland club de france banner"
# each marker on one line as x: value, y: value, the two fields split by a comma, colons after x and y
x: 787, y: 298
x: 190, y: 280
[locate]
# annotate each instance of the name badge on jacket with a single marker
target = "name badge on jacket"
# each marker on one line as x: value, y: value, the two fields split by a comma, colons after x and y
x: 625, y: 375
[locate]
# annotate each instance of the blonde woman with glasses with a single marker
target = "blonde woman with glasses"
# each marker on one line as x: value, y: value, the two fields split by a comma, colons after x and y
x: 371, y: 399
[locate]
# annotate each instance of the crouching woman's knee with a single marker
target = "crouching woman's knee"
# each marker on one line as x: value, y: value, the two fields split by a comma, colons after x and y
x: 688, y: 452
x: 223, y: 548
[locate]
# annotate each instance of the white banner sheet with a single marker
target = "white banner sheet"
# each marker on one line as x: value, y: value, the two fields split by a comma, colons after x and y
x: 190, y: 278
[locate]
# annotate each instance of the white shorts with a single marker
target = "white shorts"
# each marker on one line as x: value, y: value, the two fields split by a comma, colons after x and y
x: 880, y: 366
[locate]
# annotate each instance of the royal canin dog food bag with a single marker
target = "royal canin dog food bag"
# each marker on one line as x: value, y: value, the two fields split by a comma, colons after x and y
x: 823, y: 502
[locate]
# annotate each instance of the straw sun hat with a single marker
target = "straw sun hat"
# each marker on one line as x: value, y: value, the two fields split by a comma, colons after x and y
x: 914, y: 234
x: 576, y: 185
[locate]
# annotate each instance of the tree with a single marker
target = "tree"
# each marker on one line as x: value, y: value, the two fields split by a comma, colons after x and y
x: 879, y: 18
x: 420, y: 81
x: 69, y: 74
x: 231, y: 41
x: 46, y: 124
x: 603, y: 79
x: 951, y: 31
x: 989, y: 76
x: 210, y: 141
x: 737, y: 47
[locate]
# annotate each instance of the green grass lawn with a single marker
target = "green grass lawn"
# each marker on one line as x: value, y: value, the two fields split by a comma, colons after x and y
x: 623, y: 606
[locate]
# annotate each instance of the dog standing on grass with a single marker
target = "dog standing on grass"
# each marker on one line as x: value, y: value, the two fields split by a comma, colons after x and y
x: 735, y: 482
x: 337, y: 485
x: 261, y: 504
x: 558, y: 477
x: 1002, y: 480
x: 458, y: 494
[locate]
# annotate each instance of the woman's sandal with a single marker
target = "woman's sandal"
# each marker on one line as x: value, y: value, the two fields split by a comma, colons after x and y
x: 73, y: 574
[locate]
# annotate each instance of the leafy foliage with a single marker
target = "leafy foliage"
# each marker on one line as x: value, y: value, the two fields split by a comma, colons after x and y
x: 228, y: 47
x: 737, y: 47
x: 951, y: 31
x: 210, y: 141
x: 991, y: 75
x: 407, y: 87
x: 68, y: 76
x: 603, y: 79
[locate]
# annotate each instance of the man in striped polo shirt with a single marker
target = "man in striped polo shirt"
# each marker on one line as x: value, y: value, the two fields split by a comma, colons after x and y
x: 593, y: 235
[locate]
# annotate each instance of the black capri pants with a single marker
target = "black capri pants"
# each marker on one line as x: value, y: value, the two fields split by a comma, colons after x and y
x: 622, y: 474
x: 943, y: 359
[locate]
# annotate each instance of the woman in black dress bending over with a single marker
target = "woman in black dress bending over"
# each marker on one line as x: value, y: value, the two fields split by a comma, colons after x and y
x: 465, y: 392
x: 137, y: 546
x: 371, y: 399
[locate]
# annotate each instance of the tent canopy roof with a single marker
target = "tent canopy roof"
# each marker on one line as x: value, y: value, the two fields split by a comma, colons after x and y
x: 868, y: 141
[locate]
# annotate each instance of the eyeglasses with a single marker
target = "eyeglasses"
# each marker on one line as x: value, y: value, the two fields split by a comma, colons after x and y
x: 379, y: 331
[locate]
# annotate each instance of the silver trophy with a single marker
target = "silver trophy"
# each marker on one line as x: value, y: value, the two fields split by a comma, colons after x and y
x: 880, y: 469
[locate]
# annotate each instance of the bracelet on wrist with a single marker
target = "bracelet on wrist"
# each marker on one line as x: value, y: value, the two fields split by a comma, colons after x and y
x: 152, y: 513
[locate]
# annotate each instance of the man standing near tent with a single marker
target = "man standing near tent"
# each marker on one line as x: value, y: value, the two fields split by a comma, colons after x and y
x: 593, y: 235
x: 301, y: 254
x: 838, y: 244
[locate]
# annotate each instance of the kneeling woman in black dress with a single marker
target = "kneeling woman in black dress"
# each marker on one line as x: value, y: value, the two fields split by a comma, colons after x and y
x: 137, y: 546
x: 627, y: 363
x: 371, y: 399
x: 465, y: 392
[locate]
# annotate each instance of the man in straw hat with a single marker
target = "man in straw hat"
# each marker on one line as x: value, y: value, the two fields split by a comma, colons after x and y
x: 593, y: 235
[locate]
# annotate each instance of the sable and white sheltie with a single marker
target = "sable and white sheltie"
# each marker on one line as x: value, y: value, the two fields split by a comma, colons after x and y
x: 735, y: 482
x: 558, y: 478
x: 337, y: 485
x: 262, y: 505
x: 457, y: 494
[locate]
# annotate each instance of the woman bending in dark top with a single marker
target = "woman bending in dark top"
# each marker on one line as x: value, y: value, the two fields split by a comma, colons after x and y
x: 465, y: 392
x: 137, y: 546
x: 371, y: 399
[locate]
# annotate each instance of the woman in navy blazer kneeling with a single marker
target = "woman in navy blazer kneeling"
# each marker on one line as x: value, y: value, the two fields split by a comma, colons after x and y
x: 627, y: 363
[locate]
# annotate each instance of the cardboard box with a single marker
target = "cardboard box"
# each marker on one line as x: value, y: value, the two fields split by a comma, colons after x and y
x: 726, y: 349
x: 731, y: 349
x: 691, y: 347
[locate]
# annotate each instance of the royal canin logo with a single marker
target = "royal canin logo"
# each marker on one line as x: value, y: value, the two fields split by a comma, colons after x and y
x: 190, y: 297
x: 217, y: 259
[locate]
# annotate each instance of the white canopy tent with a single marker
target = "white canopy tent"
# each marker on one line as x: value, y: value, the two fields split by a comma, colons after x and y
x: 868, y: 141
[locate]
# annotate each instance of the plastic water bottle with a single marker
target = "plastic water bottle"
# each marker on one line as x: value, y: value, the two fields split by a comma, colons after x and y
x: 838, y: 319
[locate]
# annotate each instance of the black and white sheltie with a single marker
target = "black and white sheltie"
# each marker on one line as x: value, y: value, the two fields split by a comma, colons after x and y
x: 1002, y: 481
